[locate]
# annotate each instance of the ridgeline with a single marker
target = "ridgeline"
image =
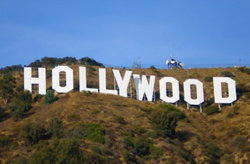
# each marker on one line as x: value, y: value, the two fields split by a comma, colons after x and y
x: 84, y: 127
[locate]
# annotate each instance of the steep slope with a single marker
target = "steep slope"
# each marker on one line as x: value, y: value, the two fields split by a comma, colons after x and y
x: 114, y: 129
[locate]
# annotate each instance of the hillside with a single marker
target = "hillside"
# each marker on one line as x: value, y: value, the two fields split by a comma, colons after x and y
x: 84, y: 127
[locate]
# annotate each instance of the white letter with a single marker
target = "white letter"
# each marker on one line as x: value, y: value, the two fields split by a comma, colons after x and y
x: 56, y: 79
x: 83, y: 81
x: 142, y: 87
x: 175, y: 89
x: 218, y: 90
x: 40, y: 80
x: 122, y: 83
x: 102, y: 83
x: 199, y: 91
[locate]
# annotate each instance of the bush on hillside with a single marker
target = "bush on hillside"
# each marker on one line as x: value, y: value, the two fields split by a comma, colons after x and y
x: 25, y: 96
x: 213, y: 152
x: 31, y: 133
x: 95, y: 132
x: 19, y: 108
x: 21, y: 104
x: 173, y: 109
x: 208, y: 79
x: 7, y: 85
x: 59, y: 151
x: 92, y: 131
x: 244, y: 70
x: 140, y: 129
x: 129, y: 157
x: 37, y: 97
x: 152, y: 67
x: 212, y: 110
x: 164, y: 119
x: 52, y: 62
x: 141, y: 147
x: 119, y: 119
x: 89, y: 61
x: 227, y: 74
x: 49, y: 97
x: 11, y: 69
x: 55, y: 127
x: 48, y: 74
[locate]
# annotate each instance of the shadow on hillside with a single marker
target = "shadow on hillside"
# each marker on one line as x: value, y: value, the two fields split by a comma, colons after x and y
x: 28, y: 114
x: 4, y: 116
x: 184, y: 136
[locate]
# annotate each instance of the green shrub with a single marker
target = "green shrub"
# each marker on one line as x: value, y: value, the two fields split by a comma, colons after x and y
x: 156, y: 152
x: 213, y: 152
x: 227, y: 74
x: 247, y: 71
x: 164, y: 119
x: 86, y: 93
x: 49, y: 97
x: 152, y: 67
x: 212, y: 110
x: 95, y: 149
x: 139, y: 146
x: 244, y: 70
x: 140, y: 129
x: 119, y: 119
x: 55, y: 127
x: 21, y: 104
x: 92, y: 131
x: 208, y: 79
x: 31, y: 133
x: 152, y: 134
x: 25, y: 96
x: 63, y: 152
x: 173, y: 109
x: 142, y: 147
x: 19, y: 108
x: 89, y: 61
x: 109, y: 142
x: 48, y: 73
x: 95, y: 133
x: 129, y: 157
x: 96, y: 137
x: 37, y: 97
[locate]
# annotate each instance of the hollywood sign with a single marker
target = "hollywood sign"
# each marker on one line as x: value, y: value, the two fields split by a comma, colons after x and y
x: 142, y: 85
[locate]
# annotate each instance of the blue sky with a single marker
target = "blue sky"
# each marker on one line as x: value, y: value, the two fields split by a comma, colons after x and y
x: 200, y: 33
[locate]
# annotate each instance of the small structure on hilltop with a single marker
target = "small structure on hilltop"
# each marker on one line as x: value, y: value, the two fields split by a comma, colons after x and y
x: 137, y: 64
x: 174, y: 64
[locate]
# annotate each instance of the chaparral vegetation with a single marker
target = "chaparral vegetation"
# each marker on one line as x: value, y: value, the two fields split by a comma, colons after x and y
x: 87, y: 127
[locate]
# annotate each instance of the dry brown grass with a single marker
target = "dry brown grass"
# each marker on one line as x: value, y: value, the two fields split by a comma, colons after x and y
x: 76, y: 107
